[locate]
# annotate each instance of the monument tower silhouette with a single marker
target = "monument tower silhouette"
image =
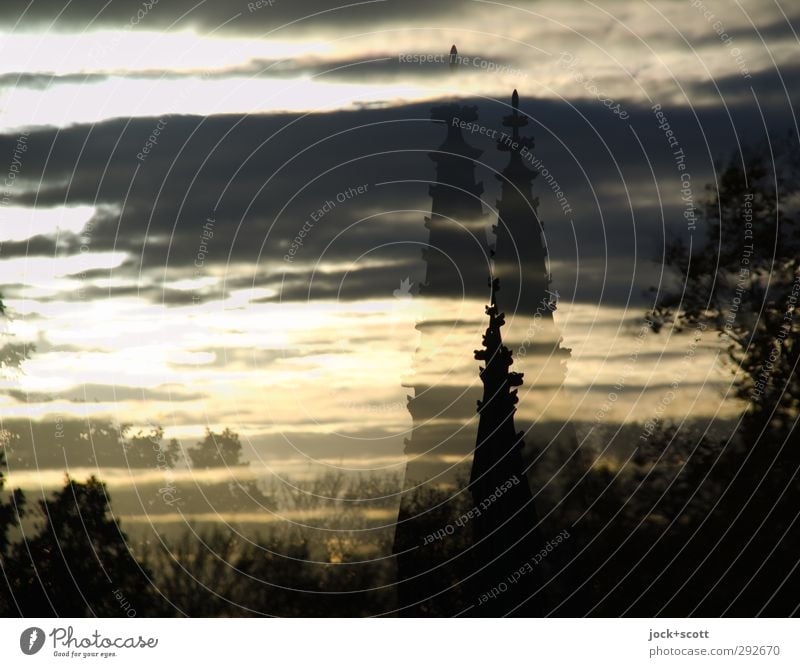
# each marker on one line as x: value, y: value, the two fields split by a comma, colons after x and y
x: 445, y: 390
x: 443, y: 381
x: 551, y: 454
x: 506, y: 529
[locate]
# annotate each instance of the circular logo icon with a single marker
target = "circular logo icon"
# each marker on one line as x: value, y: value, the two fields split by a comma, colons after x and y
x: 31, y: 640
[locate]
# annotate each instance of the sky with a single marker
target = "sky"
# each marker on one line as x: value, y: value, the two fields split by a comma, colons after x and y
x: 159, y: 158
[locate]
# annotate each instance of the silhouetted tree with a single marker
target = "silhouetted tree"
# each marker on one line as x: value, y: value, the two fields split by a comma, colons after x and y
x: 78, y: 563
x: 145, y: 450
x: 13, y: 508
x: 743, y: 280
x: 11, y: 511
x: 217, y: 450
x: 744, y: 283
x: 54, y: 444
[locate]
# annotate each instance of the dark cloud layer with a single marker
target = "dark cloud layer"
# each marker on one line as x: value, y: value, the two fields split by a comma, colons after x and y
x: 283, y: 16
x: 254, y: 181
x: 372, y: 68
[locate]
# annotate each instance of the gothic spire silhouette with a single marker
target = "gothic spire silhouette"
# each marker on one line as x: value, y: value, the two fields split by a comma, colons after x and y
x: 506, y: 531
x: 521, y: 264
x: 520, y: 251
x: 551, y: 452
x: 497, y: 407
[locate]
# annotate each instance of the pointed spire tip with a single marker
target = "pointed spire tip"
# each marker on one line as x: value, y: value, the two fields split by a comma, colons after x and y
x: 453, y: 56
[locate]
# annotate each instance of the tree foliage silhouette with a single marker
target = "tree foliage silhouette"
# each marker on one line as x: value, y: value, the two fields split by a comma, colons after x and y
x: 145, y: 450
x: 744, y: 283
x: 11, y: 511
x: 76, y: 561
x: 217, y: 450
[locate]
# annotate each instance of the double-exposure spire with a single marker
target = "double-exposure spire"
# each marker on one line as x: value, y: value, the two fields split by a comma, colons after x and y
x: 506, y: 532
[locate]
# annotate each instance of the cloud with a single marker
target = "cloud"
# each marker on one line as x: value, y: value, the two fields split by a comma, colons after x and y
x: 103, y: 393
x: 282, y: 16
x: 261, y: 178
